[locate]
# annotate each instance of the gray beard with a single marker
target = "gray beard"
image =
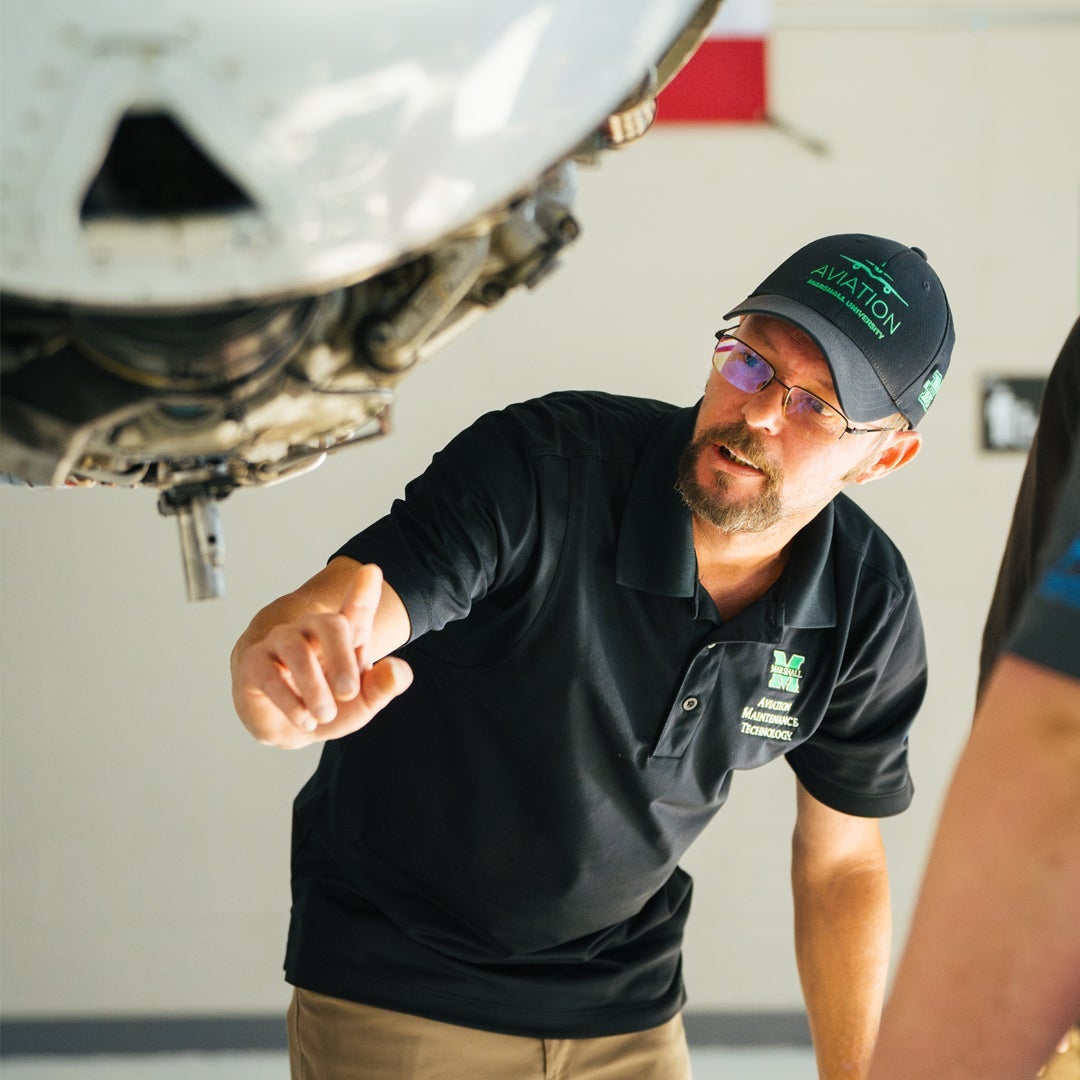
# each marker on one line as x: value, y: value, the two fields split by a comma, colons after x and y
x: 710, y: 503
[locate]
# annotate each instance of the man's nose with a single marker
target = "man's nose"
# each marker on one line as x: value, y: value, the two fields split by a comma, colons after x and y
x: 765, y: 409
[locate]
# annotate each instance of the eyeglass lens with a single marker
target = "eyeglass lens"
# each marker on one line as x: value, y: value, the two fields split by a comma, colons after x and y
x: 747, y: 371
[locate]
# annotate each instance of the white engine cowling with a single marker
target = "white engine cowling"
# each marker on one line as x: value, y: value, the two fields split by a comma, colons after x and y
x: 227, y: 231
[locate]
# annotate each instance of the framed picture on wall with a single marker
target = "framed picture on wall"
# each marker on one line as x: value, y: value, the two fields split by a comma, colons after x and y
x: 1010, y: 411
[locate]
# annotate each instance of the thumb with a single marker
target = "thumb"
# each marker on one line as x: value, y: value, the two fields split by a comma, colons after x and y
x: 389, y: 678
x: 379, y: 686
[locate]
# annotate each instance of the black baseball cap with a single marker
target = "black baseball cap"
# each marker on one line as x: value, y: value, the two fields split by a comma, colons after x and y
x: 877, y: 311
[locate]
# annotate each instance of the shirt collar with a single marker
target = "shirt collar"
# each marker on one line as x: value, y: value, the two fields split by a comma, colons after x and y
x: 808, y: 584
x: 655, y: 551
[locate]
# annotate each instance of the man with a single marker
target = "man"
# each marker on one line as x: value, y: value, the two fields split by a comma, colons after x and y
x: 991, y: 973
x: 606, y: 605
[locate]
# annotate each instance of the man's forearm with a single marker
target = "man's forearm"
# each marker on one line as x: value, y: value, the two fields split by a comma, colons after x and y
x: 990, y: 977
x: 843, y: 931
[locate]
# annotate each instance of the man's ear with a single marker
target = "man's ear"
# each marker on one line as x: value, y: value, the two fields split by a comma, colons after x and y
x: 900, y: 448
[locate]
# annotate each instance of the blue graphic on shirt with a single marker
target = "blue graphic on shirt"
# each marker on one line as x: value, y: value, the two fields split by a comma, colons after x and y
x: 1061, y: 582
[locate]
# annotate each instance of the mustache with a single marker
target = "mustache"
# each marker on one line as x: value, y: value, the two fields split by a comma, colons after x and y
x: 743, y: 441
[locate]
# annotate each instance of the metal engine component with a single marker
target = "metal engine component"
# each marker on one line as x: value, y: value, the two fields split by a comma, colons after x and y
x: 183, y: 310
x: 243, y: 396
x: 194, y: 505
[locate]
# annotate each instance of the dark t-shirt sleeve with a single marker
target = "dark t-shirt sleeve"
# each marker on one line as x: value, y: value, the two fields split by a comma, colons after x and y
x: 1044, y: 473
x: 1048, y: 630
x: 857, y: 760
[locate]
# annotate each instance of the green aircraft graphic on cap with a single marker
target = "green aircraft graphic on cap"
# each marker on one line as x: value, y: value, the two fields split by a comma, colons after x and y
x: 879, y: 275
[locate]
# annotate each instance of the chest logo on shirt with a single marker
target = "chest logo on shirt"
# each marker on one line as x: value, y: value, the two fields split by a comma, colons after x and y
x: 769, y: 719
x: 785, y: 672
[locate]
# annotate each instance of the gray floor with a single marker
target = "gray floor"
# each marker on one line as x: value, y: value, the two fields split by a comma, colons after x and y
x: 709, y: 1064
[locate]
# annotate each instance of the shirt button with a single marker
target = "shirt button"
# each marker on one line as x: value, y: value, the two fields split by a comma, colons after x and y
x: 690, y: 704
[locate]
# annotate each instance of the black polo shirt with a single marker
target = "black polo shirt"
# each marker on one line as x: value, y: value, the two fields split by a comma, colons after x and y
x: 500, y: 847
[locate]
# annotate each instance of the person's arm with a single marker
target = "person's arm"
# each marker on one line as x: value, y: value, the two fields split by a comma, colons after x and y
x: 990, y: 976
x: 843, y: 932
x: 313, y: 665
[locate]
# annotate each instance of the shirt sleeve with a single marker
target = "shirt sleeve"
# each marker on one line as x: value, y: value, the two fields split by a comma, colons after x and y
x: 463, y: 528
x: 857, y: 760
x: 1048, y: 631
x: 1045, y: 472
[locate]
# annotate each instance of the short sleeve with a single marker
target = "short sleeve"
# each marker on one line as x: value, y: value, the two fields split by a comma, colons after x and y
x: 857, y: 760
x: 1048, y: 631
x: 465, y: 526
x: 1045, y: 472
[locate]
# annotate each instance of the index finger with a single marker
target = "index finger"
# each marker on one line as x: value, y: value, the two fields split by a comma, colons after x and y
x: 362, y: 601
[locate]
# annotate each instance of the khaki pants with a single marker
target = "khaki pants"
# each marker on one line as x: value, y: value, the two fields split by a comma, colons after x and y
x: 330, y: 1039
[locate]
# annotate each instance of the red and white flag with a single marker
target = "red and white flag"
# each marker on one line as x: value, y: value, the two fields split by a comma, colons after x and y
x: 725, y: 79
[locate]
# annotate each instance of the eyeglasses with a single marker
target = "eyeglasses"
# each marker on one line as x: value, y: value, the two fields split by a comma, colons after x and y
x: 809, y: 415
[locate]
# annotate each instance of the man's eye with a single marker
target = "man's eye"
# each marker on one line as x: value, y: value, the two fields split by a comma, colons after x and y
x: 807, y: 403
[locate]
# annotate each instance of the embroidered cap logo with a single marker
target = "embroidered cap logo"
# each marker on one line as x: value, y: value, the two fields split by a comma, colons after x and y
x: 870, y: 292
x: 930, y: 389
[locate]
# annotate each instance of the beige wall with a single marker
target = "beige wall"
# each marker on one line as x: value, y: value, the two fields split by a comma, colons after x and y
x: 145, y: 837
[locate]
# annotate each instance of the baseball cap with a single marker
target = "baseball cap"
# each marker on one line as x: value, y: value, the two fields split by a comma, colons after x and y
x: 877, y: 311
